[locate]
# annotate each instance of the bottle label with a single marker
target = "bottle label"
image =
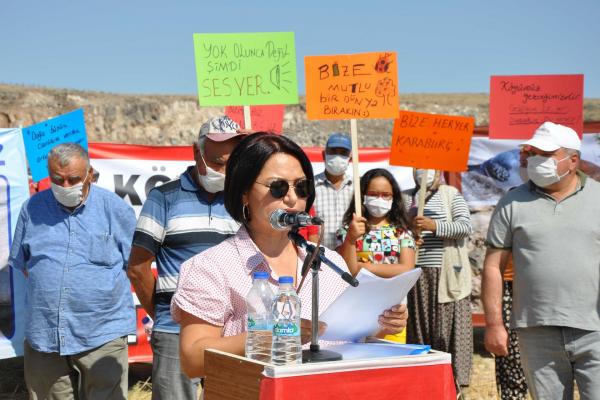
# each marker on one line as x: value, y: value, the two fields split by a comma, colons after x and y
x: 286, y: 329
x: 258, y: 324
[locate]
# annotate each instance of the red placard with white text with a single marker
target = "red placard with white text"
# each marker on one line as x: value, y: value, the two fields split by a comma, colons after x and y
x: 519, y: 104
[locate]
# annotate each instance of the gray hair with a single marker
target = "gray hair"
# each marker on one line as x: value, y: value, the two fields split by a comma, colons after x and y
x: 571, y: 152
x: 200, y: 143
x: 65, y: 152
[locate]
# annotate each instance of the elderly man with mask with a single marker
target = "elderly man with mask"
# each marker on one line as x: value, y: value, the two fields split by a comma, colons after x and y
x: 180, y: 219
x: 551, y: 226
x: 72, y: 243
x: 333, y: 187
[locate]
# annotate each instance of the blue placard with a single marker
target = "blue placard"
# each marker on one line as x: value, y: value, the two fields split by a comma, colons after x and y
x: 41, y: 138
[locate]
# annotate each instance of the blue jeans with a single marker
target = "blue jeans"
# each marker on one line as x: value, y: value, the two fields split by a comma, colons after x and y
x: 554, y: 356
x: 168, y: 381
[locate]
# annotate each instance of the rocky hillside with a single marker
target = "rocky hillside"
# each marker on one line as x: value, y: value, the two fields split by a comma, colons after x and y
x: 164, y: 120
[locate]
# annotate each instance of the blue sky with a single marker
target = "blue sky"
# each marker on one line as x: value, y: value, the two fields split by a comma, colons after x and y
x: 133, y: 46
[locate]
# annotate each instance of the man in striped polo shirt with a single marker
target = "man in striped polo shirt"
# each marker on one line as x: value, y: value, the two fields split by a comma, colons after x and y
x: 180, y: 219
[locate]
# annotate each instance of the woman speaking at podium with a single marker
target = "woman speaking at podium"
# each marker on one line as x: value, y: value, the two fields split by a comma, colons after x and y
x: 265, y: 172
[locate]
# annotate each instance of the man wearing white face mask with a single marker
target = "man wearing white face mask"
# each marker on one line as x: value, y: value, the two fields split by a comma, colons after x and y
x: 333, y: 187
x: 551, y: 226
x: 180, y: 219
x: 72, y: 242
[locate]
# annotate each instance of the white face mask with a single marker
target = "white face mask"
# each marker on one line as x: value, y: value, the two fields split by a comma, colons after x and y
x: 336, y: 164
x: 213, y: 181
x: 430, y: 176
x: 70, y: 196
x: 377, y: 206
x: 543, y: 171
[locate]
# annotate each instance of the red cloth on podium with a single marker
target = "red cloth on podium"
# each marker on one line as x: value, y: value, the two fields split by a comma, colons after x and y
x: 422, y: 382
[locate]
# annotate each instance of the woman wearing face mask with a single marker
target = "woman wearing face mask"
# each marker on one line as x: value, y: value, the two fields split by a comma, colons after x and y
x: 381, y: 241
x: 439, y: 303
x: 264, y: 173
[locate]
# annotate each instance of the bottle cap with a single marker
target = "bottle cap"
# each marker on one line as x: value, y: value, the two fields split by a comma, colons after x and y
x: 145, y: 320
x: 286, y: 279
x: 260, y: 275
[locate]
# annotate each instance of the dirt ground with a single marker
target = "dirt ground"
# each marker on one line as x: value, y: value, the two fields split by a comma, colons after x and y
x: 12, y: 385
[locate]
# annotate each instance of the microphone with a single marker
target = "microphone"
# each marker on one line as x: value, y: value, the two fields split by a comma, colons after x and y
x: 281, y: 219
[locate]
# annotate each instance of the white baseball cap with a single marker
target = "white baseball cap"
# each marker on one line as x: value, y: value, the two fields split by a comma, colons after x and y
x: 551, y: 137
x: 220, y: 129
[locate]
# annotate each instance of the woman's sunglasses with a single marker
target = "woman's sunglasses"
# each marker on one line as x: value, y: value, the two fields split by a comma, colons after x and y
x: 280, y: 187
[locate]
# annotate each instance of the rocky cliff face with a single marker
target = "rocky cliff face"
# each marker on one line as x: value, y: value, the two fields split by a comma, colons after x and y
x: 170, y: 120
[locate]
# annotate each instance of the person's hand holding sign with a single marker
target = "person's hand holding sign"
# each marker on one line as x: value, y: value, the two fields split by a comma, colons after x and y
x: 357, y: 228
x: 423, y: 223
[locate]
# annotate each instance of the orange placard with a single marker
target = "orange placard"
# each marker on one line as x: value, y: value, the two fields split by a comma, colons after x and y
x: 519, y: 104
x: 352, y: 86
x: 264, y: 118
x: 433, y: 141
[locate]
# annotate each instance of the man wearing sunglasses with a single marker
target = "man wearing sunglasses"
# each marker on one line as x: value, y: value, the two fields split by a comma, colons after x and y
x: 333, y: 187
x: 179, y: 220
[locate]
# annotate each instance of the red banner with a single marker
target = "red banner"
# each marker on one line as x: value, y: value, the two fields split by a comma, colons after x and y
x: 520, y: 104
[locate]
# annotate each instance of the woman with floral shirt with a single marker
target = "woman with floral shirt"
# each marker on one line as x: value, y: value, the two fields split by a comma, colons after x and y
x: 380, y: 241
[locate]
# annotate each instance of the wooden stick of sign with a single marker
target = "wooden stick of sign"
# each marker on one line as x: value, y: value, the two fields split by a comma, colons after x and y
x: 421, y: 205
x: 422, y: 193
x: 355, y: 175
x: 247, y: 119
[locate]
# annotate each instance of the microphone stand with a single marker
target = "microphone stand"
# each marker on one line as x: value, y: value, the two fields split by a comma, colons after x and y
x: 315, y: 354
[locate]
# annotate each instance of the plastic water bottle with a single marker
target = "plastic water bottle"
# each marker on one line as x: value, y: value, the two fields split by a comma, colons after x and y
x: 259, y: 326
x: 148, y: 324
x: 287, y: 346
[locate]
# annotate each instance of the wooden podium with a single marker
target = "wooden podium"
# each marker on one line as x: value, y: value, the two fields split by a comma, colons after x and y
x: 424, y: 376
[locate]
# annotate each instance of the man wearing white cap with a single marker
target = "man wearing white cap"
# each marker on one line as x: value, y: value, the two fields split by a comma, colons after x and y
x: 180, y: 219
x: 551, y: 225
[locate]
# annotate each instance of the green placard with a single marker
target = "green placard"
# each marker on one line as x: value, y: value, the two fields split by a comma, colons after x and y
x: 235, y: 69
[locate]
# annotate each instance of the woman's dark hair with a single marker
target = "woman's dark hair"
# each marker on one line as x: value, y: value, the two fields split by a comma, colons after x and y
x: 397, y: 216
x: 247, y: 161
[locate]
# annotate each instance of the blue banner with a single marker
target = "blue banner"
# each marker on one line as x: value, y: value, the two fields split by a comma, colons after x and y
x: 14, y: 190
x: 41, y: 138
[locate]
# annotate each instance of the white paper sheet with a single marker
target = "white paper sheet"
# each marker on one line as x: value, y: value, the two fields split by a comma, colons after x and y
x: 354, y: 314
